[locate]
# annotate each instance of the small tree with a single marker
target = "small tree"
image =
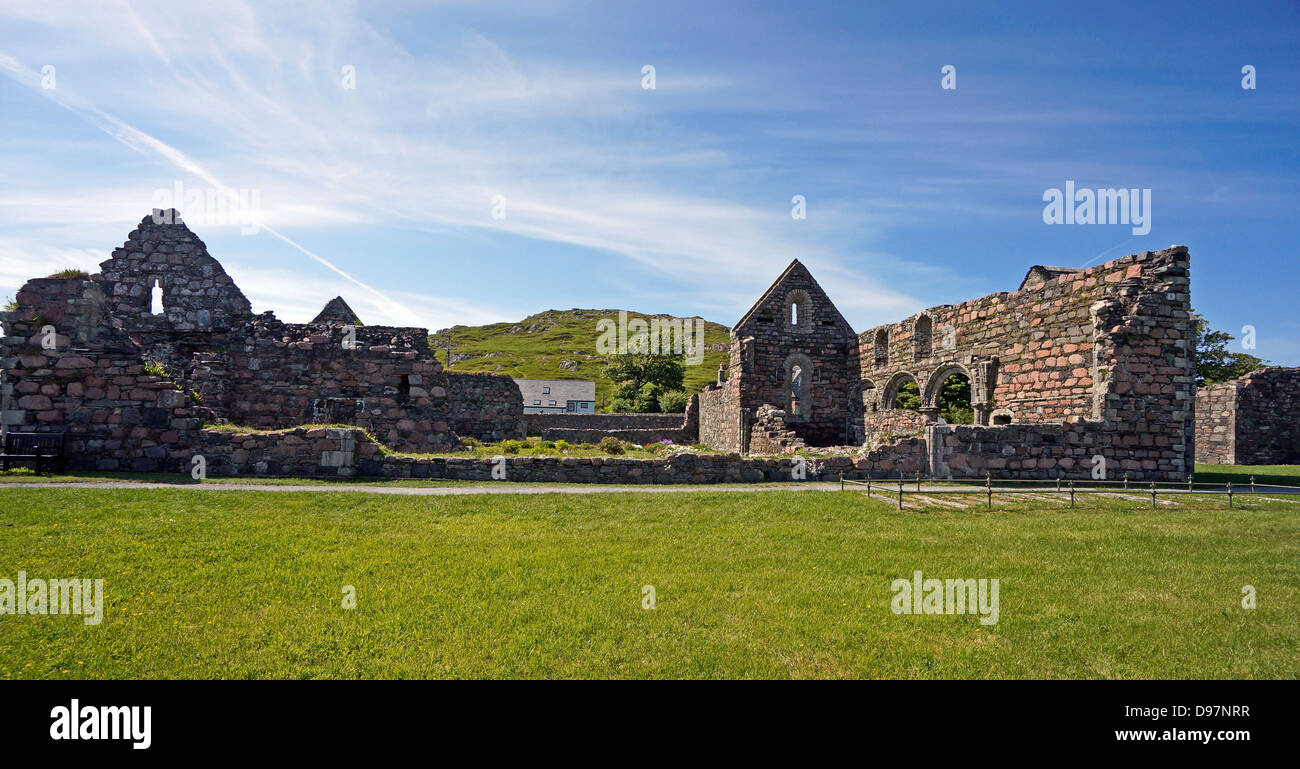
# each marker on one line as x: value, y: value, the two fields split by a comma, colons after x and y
x: 639, y: 379
x: 1214, y: 364
x: 908, y: 396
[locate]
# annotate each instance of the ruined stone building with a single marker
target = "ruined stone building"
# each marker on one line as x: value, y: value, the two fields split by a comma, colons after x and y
x: 1074, y: 368
x: 131, y: 388
x: 1252, y: 420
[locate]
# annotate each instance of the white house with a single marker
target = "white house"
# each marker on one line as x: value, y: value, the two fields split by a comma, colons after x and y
x: 558, y: 396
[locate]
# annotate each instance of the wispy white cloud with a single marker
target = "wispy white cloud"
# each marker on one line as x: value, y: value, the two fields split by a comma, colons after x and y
x: 246, y: 97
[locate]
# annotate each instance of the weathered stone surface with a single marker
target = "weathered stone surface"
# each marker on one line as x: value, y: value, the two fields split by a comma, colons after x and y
x: 1252, y: 420
x: 1106, y: 350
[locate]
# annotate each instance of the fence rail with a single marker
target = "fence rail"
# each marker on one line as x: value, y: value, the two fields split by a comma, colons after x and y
x: 1062, y: 486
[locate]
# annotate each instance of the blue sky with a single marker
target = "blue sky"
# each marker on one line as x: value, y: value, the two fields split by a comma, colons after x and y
x: 676, y: 199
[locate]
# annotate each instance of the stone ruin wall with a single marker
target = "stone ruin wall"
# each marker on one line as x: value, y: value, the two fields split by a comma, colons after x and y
x: 248, y: 370
x: 822, y: 343
x: 633, y: 428
x: 1252, y: 420
x: 721, y: 425
x: 92, y: 385
x: 487, y: 407
x: 278, y: 375
x: 1216, y: 423
x: 1094, y: 363
x: 197, y: 294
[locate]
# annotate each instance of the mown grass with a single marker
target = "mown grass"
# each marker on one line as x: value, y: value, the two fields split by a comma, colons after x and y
x: 1285, y: 475
x: 777, y: 584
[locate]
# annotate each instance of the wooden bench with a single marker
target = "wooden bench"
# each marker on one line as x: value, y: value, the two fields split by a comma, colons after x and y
x: 40, y: 449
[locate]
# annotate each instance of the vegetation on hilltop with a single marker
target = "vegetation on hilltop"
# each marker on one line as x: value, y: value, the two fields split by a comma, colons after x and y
x: 560, y: 344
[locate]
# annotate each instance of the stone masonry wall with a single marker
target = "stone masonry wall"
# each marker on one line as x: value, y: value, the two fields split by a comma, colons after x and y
x: 1111, y: 345
x: 795, y: 325
x: 343, y: 452
x: 89, y: 382
x: 198, y: 295
x: 384, y: 379
x: 487, y: 407
x: 1216, y: 423
x: 1252, y: 420
x: 1268, y: 417
x: 537, y: 423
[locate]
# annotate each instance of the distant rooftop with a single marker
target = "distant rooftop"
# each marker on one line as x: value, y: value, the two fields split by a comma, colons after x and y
x: 560, y: 390
x: 1041, y: 273
x: 337, y: 312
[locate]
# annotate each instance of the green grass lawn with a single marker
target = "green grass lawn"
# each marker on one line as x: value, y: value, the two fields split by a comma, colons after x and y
x: 214, y: 584
x: 1286, y: 475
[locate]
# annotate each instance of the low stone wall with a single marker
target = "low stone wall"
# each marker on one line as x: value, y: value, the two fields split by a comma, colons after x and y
x: 1037, y: 451
x: 321, y: 451
x: 590, y: 428
x: 346, y: 452
x: 537, y: 423
x: 639, y: 437
x: 893, y: 423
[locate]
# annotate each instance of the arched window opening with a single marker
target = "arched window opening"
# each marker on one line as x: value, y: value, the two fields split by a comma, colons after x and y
x: 907, y: 396
x: 954, y: 400
x: 798, y: 311
x: 156, y: 299
x: 882, y: 347
x: 796, y: 388
x: 922, y: 337
x: 798, y: 372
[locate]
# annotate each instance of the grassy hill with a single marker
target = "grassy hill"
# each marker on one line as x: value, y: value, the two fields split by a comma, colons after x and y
x: 560, y: 344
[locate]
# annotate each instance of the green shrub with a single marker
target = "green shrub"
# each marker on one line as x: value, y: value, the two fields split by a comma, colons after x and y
x: 471, y: 442
x: 70, y: 273
x: 154, y: 368
x: 673, y: 402
x: 511, y: 447
x: 562, y: 446
x: 546, y: 444
x: 622, y: 406
x: 611, y: 445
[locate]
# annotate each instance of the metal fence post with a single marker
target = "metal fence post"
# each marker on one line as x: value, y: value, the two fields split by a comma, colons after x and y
x: 1189, y: 483
x: 1071, y: 492
x: 1153, y: 495
x: 900, y: 493
x: 988, y: 486
x: 1252, y: 484
x: 918, y: 482
x: 1126, y: 481
x: 1229, y: 493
